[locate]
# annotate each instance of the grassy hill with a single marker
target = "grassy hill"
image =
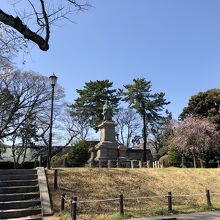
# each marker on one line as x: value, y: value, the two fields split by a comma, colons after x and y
x: 94, y: 183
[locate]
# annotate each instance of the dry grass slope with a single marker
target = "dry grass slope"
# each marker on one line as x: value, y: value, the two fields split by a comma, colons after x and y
x: 94, y: 183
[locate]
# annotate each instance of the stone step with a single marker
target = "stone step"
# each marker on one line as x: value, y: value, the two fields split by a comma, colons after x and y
x: 16, y: 213
x: 32, y: 217
x: 19, y: 196
x: 17, y: 171
x: 18, y: 177
x: 18, y: 183
x: 19, y: 204
x: 18, y: 189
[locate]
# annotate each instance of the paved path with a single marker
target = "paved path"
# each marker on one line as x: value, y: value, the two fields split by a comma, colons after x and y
x: 192, y: 216
x: 52, y: 218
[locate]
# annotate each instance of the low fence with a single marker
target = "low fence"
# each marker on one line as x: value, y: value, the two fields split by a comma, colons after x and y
x: 73, y: 202
x: 125, y: 164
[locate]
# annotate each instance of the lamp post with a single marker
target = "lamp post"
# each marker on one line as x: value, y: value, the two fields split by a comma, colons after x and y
x: 53, y: 80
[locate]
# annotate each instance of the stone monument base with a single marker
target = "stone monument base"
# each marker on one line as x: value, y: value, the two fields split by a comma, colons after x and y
x: 110, y: 151
x: 122, y: 152
x: 107, y: 150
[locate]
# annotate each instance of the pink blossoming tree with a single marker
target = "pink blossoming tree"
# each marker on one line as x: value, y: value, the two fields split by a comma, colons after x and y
x: 196, y: 137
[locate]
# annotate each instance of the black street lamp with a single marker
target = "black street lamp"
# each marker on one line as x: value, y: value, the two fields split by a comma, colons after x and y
x: 53, y: 80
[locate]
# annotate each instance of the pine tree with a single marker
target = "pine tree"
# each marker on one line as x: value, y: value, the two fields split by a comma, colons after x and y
x: 148, y: 105
x: 91, y: 99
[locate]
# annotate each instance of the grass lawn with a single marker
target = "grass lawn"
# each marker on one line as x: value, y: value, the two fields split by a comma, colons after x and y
x: 95, y: 183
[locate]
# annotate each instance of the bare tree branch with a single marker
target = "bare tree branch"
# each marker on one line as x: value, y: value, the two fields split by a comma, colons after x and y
x: 17, y: 24
x: 42, y: 18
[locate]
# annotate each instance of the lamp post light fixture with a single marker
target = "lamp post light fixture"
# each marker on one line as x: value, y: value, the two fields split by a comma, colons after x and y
x: 53, y: 81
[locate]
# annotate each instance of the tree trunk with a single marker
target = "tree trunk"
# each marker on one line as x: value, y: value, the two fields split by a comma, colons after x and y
x: 145, y: 138
x: 157, y: 148
x: 182, y: 162
x: 194, y: 161
x: 201, y: 163
x: 14, y: 160
x: 13, y: 153
x: 25, y: 151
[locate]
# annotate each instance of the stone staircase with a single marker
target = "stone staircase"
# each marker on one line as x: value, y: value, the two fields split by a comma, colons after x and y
x: 20, y: 195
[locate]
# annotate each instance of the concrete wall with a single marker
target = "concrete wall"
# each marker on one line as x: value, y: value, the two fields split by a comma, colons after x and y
x: 137, y: 154
x: 6, y: 155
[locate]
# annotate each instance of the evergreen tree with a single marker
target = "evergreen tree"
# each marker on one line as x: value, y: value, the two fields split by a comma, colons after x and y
x: 91, y: 99
x: 174, y: 157
x: 78, y: 154
x: 204, y: 105
x: 148, y: 105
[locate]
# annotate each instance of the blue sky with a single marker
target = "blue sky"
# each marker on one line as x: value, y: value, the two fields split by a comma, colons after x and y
x: 173, y: 43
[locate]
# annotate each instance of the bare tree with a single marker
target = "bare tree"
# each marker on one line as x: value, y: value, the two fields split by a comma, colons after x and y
x: 64, y: 131
x: 25, y: 102
x: 76, y: 122
x: 128, y: 125
x: 16, y: 151
x: 9, y: 46
x: 35, y: 21
x: 20, y: 141
x: 23, y: 94
x: 160, y: 132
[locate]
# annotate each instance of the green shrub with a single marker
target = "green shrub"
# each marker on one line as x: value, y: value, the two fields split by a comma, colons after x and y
x: 6, y: 165
x: 118, y: 216
x: 162, y: 211
x: 78, y: 154
x: 59, y: 161
x: 174, y: 157
x: 163, y: 151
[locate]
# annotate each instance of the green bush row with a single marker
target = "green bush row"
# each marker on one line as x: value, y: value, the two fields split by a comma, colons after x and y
x: 77, y: 156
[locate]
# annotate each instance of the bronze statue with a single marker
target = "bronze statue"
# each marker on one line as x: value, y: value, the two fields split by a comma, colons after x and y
x: 107, y: 112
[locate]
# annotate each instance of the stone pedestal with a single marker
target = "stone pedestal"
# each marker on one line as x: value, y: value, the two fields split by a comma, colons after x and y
x: 107, y: 131
x: 107, y: 148
x: 106, y: 151
x: 92, y: 153
x: 122, y: 152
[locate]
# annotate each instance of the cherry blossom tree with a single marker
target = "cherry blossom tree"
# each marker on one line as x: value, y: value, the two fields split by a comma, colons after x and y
x: 195, y: 137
